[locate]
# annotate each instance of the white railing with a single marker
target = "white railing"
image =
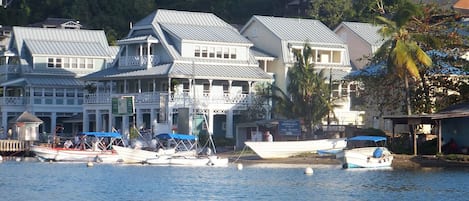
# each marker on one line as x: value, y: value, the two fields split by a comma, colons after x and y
x: 179, y: 99
x: 12, y: 145
x: 13, y: 100
x: 138, y: 60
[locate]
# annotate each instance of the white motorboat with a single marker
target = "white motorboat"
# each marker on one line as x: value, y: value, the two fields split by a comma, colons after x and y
x: 167, y: 145
x: 96, y: 149
x: 366, y: 152
x: 285, y: 149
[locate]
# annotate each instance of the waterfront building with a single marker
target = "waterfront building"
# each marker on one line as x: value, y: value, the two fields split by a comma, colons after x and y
x: 176, y: 70
x: 40, y: 71
x: 280, y: 37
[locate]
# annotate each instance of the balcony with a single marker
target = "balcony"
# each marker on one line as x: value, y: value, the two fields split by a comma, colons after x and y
x: 138, y: 60
x: 183, y: 99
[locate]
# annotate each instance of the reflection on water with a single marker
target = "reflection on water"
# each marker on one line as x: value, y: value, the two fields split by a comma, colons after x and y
x: 75, y: 181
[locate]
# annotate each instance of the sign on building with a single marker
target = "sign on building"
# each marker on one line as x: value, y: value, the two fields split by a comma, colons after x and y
x: 289, y: 127
x: 123, y: 105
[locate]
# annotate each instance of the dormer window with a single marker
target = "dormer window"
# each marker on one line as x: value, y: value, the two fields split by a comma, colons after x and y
x: 233, y: 53
x: 211, y: 52
x: 219, y: 52
x: 197, y: 51
x: 204, y: 52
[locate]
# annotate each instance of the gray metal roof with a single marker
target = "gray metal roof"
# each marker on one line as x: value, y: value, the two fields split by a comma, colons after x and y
x: 137, y: 39
x: 182, y: 17
x: 222, y: 34
x: 45, y: 81
x: 186, y: 70
x: 299, y: 30
x: 22, y: 34
x: 43, y: 47
x: 114, y: 72
x: 257, y: 53
x: 227, y: 72
x: 366, y: 31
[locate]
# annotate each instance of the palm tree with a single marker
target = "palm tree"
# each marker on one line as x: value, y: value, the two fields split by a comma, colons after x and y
x: 403, y: 54
x: 308, y: 94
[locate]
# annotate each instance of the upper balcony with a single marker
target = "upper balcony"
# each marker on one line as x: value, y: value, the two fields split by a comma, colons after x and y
x: 180, y: 100
x: 138, y: 60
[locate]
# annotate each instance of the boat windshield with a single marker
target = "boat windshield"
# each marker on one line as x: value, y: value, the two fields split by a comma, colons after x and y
x: 366, y: 141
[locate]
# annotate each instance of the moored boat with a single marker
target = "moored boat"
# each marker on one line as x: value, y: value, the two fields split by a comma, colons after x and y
x: 168, y: 144
x: 96, y: 149
x: 366, y: 152
x: 285, y: 149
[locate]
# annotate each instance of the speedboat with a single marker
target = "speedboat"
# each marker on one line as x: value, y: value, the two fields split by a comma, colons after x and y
x: 93, y: 147
x: 167, y: 145
x: 365, y: 152
x: 285, y: 149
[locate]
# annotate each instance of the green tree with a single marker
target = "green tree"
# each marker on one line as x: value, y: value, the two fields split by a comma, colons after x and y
x: 402, y: 53
x: 331, y: 13
x: 308, y: 93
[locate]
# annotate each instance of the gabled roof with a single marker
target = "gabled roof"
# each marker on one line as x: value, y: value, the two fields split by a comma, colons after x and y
x: 66, y: 48
x: 182, y: 17
x: 22, y: 34
x: 26, y: 117
x: 297, y: 30
x: 221, y: 34
x: 368, y: 32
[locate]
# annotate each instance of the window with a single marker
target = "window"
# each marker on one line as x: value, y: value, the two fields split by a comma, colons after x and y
x: 211, y: 52
x: 233, y: 53
x: 73, y: 62
x: 204, y: 52
x: 197, y: 51
x: 226, y: 53
x: 58, y: 63
x: 50, y: 62
x: 218, y: 51
x: 67, y: 62
x: 81, y: 62
x: 89, y: 64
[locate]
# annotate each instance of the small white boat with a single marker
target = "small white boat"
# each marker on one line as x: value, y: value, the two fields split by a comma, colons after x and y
x: 213, y: 160
x: 285, y: 149
x: 168, y: 145
x: 89, y: 150
x: 366, y: 152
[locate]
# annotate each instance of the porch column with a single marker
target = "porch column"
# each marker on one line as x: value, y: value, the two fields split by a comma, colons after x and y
x: 139, y: 118
x: 125, y: 127
x: 140, y: 54
x: 229, y: 124
x: 210, y: 90
x: 139, y: 84
x: 439, y: 136
x: 4, y: 123
x: 111, y: 120
x: 148, y: 55
x: 250, y: 92
x: 153, y: 120
x: 86, y: 121
x: 53, y: 122
x: 99, y: 122
x: 210, y: 121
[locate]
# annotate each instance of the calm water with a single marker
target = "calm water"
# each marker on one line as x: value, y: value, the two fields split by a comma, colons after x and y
x: 74, y: 181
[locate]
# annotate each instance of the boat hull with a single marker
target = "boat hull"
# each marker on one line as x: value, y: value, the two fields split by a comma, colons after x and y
x: 364, y: 158
x: 75, y: 155
x: 213, y: 161
x: 285, y: 149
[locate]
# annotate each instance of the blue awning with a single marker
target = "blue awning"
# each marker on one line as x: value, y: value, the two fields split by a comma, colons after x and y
x: 367, y: 138
x: 166, y: 136
x: 103, y: 134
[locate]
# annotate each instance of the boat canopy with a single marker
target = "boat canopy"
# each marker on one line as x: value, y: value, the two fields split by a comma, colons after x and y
x: 103, y: 134
x: 176, y: 136
x: 367, y: 138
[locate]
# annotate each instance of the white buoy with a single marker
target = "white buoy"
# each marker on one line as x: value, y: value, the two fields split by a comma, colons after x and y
x: 240, y: 166
x: 18, y: 159
x: 1, y: 158
x: 89, y: 164
x: 309, y: 171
